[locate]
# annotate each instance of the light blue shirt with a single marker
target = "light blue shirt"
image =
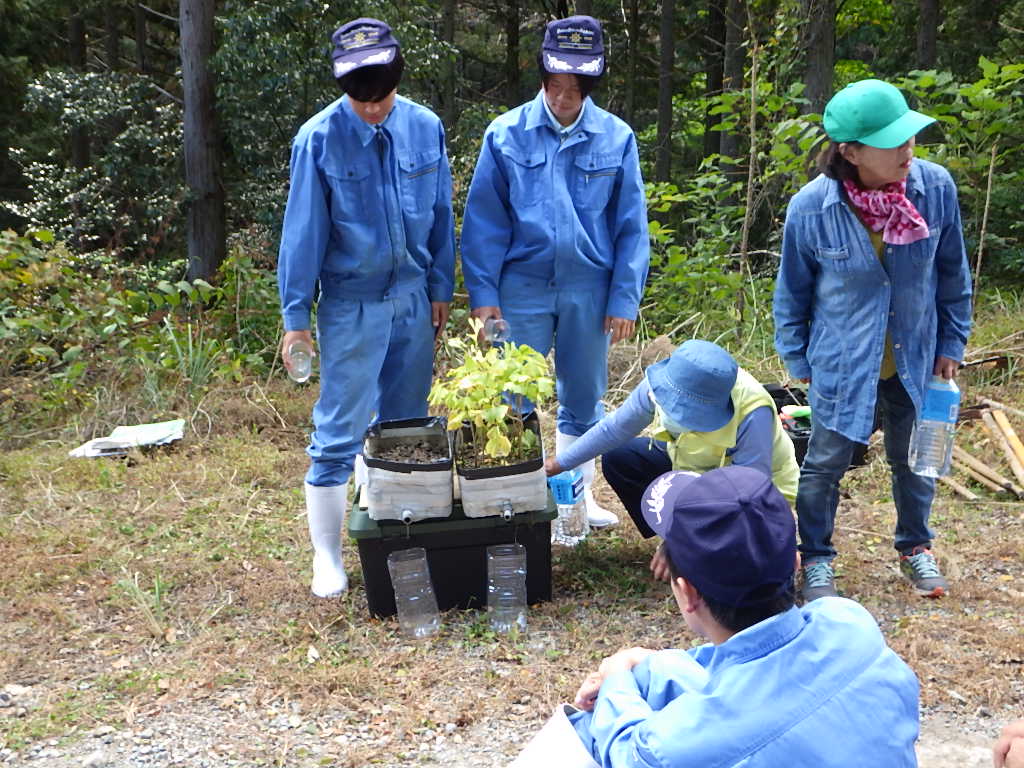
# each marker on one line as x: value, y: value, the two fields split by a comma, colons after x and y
x: 369, y: 210
x: 570, y: 212
x: 814, y: 686
x: 834, y: 299
x: 754, y: 436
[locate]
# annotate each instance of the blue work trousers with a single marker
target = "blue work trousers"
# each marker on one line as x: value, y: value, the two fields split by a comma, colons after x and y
x: 828, y: 457
x: 376, y: 362
x: 630, y: 468
x: 540, y: 314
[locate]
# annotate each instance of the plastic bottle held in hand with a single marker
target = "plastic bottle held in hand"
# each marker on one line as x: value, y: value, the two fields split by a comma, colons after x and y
x: 497, y: 330
x: 931, y: 444
x: 301, y: 356
x: 506, y: 587
x: 571, y: 526
x: 414, y: 592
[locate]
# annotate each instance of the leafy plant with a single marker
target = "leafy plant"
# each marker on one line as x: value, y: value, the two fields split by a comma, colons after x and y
x: 488, y: 393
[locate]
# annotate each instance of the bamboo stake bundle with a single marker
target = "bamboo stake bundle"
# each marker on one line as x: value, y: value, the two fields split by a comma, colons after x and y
x: 959, y: 489
x: 1000, y: 437
x: 978, y: 477
x: 984, y: 469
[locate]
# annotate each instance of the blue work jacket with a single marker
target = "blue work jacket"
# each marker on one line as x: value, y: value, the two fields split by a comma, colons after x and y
x: 814, y: 686
x: 834, y: 299
x: 368, y: 216
x: 572, y: 212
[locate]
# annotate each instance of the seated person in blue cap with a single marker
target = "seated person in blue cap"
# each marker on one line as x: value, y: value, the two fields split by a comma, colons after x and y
x: 776, y: 685
x: 705, y: 412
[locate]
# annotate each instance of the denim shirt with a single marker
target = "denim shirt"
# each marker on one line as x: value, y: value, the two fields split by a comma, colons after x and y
x: 814, y: 686
x: 834, y: 299
x: 369, y: 210
x: 570, y: 212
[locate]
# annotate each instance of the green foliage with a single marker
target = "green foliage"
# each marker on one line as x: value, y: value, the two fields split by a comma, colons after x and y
x: 127, y: 200
x: 477, y: 393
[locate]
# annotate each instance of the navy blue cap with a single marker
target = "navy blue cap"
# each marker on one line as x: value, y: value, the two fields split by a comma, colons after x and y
x: 573, y: 46
x: 729, y: 532
x: 362, y: 43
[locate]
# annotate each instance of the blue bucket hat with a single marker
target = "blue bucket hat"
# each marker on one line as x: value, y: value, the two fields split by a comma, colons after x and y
x: 362, y: 43
x: 573, y: 46
x: 694, y: 385
x: 874, y: 113
x: 729, y: 532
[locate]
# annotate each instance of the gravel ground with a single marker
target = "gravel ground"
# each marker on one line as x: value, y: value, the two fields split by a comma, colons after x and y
x: 226, y: 732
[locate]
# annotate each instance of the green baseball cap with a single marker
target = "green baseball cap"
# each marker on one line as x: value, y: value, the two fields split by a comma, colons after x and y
x: 873, y: 113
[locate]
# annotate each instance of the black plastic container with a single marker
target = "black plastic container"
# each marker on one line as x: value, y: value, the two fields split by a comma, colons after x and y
x: 801, y: 435
x: 456, y: 552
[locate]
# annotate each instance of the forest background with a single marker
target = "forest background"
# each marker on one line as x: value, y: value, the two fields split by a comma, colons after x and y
x: 143, y: 173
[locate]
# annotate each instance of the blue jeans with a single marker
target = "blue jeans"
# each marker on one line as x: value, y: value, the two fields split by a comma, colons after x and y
x: 630, y: 468
x: 828, y: 457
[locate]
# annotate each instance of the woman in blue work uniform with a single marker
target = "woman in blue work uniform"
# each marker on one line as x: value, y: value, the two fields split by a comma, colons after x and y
x: 554, y: 237
x: 873, y: 298
x: 368, y: 235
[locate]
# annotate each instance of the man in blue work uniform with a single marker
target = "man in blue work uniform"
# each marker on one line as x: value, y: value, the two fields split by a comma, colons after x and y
x: 555, y: 231
x: 776, y: 684
x: 369, y: 218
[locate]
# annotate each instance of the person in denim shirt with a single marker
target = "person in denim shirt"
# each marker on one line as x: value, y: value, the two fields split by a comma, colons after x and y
x: 775, y: 684
x: 554, y: 237
x: 368, y: 221
x: 873, y: 297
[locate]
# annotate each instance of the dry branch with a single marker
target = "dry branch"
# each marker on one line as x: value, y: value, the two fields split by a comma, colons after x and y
x: 984, y: 469
x: 959, y: 489
x: 997, y: 434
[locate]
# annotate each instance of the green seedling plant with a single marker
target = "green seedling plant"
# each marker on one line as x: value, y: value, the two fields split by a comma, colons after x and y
x: 487, y: 392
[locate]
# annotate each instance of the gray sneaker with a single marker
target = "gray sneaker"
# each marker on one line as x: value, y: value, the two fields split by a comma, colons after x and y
x: 923, y: 572
x: 819, y: 581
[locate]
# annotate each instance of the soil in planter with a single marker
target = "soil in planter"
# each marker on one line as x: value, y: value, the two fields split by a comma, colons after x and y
x: 420, y: 452
x: 466, y: 458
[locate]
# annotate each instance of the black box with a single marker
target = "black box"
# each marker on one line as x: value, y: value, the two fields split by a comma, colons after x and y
x: 783, y: 395
x: 456, y: 553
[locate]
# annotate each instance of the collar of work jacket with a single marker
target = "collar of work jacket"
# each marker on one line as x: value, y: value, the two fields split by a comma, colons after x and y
x: 537, y: 117
x: 366, y: 132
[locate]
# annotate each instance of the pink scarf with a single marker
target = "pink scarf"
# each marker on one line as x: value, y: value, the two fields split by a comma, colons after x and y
x: 889, y: 210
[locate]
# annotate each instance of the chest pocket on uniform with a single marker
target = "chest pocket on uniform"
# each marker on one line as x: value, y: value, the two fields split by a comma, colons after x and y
x: 350, y: 190
x: 418, y: 172
x: 596, y: 175
x: 525, y: 177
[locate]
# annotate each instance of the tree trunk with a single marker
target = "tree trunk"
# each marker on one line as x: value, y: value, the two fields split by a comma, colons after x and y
x: 111, y: 36
x: 714, y: 59
x: 141, y: 56
x: 448, y: 89
x: 732, y: 68
x: 819, y: 41
x: 80, y: 154
x: 632, y: 59
x: 513, y: 92
x: 927, y: 32
x: 205, y: 220
x: 667, y: 43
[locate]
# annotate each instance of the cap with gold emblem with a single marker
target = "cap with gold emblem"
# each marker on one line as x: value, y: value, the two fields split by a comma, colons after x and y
x: 573, y: 46
x: 362, y: 43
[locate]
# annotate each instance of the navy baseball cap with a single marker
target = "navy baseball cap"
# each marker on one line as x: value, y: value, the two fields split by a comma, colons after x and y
x: 573, y: 46
x: 362, y: 43
x: 729, y: 532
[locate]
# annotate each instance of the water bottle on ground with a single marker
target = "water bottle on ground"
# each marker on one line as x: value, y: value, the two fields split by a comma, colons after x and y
x: 931, y: 443
x: 506, y: 587
x: 414, y: 592
x: 571, y: 526
x: 301, y: 356
x: 497, y: 330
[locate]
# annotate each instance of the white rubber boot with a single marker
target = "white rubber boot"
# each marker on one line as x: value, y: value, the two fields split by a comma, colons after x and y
x: 359, y: 472
x: 325, y: 510
x: 597, y: 516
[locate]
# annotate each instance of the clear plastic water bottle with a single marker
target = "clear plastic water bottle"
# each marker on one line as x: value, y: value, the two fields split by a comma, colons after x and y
x: 414, y: 592
x: 506, y: 587
x: 301, y: 356
x: 497, y: 330
x: 931, y: 443
x: 571, y: 526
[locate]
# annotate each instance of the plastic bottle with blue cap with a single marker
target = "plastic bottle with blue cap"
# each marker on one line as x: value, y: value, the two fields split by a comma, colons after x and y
x: 931, y: 444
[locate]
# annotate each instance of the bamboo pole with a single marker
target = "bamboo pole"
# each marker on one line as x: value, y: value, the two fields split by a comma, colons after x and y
x: 978, y: 477
x: 1011, y: 436
x: 1007, y: 408
x: 982, y: 468
x: 959, y: 489
x: 997, y: 434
